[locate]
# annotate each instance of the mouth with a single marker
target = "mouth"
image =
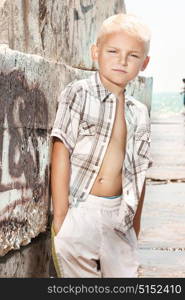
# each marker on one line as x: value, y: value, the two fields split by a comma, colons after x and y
x: 119, y: 70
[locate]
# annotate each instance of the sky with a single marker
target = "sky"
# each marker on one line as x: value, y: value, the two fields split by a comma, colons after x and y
x: 165, y: 19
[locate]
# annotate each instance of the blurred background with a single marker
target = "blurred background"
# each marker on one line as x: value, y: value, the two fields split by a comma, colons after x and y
x: 167, y: 64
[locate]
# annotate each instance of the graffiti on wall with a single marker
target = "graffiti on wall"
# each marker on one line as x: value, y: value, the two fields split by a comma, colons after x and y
x: 23, y: 150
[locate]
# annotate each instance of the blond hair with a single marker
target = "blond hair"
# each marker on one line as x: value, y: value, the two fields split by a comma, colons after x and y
x: 129, y: 23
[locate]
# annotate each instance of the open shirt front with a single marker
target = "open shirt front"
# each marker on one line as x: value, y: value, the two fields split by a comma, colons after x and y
x: 84, y: 122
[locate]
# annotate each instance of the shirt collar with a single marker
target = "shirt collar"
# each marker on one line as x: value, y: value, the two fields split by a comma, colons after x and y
x: 99, y: 90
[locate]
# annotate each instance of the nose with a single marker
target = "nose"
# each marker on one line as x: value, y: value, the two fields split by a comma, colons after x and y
x: 123, y: 59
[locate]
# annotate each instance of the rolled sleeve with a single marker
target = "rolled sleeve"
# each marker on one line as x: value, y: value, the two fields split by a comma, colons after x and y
x: 67, y: 118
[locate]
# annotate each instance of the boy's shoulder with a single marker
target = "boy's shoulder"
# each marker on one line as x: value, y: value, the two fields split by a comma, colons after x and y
x: 90, y: 85
x: 79, y: 84
x: 74, y: 90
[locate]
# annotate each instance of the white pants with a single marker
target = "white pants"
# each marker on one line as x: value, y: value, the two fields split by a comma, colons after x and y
x: 88, y: 246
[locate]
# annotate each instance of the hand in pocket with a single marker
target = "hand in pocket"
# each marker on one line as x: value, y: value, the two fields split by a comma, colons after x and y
x: 57, y: 224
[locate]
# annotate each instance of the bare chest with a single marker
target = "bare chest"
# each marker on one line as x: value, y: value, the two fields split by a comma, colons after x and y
x: 119, y: 131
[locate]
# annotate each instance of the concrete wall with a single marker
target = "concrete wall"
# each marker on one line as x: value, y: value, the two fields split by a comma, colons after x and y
x: 141, y: 89
x: 44, y: 45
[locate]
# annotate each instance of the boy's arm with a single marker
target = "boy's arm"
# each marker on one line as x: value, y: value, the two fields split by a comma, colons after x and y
x: 137, y: 217
x: 60, y: 175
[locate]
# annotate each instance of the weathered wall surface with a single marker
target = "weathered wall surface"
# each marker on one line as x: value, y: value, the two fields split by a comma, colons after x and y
x: 60, y: 34
x: 57, y: 30
x: 141, y: 89
x: 25, y: 116
x: 32, y: 261
x: 4, y: 21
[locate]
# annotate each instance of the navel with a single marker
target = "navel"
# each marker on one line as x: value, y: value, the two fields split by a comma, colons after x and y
x: 101, y: 179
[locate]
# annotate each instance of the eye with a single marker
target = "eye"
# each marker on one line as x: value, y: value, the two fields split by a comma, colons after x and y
x: 112, y: 51
x: 135, y: 55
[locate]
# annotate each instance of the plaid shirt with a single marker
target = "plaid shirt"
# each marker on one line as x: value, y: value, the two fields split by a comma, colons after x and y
x: 84, y: 122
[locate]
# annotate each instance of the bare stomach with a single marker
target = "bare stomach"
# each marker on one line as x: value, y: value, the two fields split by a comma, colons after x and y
x: 109, y: 179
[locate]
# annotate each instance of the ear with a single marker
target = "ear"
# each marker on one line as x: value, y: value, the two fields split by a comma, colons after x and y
x: 94, y: 52
x: 145, y: 63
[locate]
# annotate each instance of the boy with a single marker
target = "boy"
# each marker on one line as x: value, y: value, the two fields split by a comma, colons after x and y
x: 100, y: 157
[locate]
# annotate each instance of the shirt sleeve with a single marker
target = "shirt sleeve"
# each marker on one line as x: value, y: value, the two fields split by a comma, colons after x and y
x: 142, y: 142
x: 143, y: 138
x: 67, y: 118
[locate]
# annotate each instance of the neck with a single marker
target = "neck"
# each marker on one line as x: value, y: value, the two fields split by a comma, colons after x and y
x: 117, y: 90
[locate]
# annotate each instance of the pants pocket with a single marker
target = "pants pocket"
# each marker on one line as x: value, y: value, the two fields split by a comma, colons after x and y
x: 129, y: 237
x: 62, y: 226
x: 133, y: 237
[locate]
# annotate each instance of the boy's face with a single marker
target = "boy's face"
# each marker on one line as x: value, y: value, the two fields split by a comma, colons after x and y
x: 120, y: 57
